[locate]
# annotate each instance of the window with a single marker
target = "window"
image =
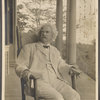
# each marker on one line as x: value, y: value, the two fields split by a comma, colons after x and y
x: 8, y: 22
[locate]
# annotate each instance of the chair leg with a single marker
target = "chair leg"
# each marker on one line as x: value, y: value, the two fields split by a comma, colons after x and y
x: 22, y: 90
x: 35, y: 90
x: 23, y: 97
x: 73, y: 82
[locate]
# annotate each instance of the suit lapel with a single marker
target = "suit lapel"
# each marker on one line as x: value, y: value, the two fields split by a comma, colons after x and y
x: 40, y: 47
x: 51, y: 56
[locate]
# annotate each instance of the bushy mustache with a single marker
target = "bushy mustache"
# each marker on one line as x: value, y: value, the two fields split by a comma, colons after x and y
x: 44, y: 37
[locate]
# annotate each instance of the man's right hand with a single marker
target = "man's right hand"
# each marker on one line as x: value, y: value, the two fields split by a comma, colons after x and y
x: 36, y: 74
x: 25, y: 75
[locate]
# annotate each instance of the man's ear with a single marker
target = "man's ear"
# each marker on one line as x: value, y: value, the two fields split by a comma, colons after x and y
x: 51, y: 38
x: 52, y: 35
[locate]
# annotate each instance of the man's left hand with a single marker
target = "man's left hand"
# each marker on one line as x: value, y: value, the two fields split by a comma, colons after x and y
x: 75, y: 70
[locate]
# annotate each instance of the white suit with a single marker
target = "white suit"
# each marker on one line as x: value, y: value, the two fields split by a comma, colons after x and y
x: 33, y: 57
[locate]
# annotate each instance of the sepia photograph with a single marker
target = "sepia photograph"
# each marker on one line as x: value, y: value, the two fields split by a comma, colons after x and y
x: 50, y: 50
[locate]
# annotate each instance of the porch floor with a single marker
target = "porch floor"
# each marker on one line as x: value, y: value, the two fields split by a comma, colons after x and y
x: 85, y: 87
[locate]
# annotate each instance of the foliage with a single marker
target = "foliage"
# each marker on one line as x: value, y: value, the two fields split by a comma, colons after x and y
x: 33, y: 13
x: 36, y: 12
x: 86, y: 59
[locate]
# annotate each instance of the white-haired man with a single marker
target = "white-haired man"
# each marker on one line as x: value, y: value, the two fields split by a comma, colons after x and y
x: 44, y: 62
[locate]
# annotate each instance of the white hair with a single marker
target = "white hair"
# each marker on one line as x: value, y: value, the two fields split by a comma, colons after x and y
x: 53, y: 29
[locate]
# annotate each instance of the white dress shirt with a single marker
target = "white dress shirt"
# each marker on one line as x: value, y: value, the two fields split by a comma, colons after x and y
x: 49, y: 73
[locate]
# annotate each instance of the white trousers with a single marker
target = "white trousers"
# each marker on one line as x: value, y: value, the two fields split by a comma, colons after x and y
x: 57, y: 90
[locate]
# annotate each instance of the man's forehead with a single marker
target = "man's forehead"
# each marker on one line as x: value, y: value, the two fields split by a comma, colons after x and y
x: 46, y: 27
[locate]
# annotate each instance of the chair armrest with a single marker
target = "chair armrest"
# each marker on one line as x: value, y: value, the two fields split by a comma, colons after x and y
x: 74, y: 73
x: 32, y: 77
x: 77, y: 71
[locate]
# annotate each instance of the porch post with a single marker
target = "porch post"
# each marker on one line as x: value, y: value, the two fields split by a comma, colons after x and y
x: 15, y: 36
x: 71, y: 36
x: 59, y: 25
x: 71, y: 32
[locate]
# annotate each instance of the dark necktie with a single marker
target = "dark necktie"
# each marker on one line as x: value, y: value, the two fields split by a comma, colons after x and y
x: 45, y: 46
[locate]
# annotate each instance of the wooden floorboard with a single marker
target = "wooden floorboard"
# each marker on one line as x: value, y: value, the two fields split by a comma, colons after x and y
x: 85, y: 87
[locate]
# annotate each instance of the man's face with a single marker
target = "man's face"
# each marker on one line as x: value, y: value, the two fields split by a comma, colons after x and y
x: 46, y: 35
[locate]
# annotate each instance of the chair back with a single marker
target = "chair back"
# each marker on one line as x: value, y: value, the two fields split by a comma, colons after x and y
x: 25, y: 38
x: 28, y: 38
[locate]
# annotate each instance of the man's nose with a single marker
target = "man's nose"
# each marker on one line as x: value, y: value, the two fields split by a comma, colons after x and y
x: 44, y: 33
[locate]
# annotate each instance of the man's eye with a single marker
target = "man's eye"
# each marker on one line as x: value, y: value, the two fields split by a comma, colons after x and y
x: 41, y: 31
x: 47, y: 31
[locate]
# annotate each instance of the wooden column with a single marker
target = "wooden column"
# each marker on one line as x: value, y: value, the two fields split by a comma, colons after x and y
x: 59, y: 24
x: 2, y: 49
x: 71, y: 36
x: 1, y: 78
x: 71, y: 32
x: 15, y: 35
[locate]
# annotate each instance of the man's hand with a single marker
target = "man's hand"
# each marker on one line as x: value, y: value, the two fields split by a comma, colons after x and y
x: 36, y: 75
x: 75, y: 70
x: 25, y: 75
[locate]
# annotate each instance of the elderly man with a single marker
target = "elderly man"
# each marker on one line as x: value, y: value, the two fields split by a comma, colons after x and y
x: 44, y: 62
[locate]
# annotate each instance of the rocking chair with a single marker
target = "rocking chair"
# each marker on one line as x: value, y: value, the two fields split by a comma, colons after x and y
x: 23, y: 39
